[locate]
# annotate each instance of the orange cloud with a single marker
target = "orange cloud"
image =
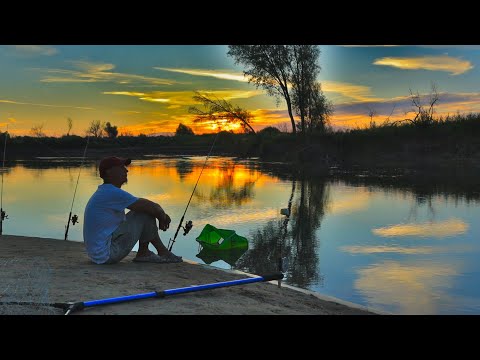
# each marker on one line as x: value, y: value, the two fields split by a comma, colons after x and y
x: 99, y: 72
x: 219, y: 74
x: 445, y: 63
x: 46, y: 105
x: 349, y: 91
x: 185, y: 98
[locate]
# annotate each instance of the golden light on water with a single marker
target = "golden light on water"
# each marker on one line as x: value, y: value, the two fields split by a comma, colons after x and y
x: 439, y: 229
x: 412, y: 287
x: 351, y: 202
x: 415, y: 250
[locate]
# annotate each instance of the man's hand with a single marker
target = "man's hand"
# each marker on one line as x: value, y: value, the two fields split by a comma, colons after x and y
x: 164, y: 222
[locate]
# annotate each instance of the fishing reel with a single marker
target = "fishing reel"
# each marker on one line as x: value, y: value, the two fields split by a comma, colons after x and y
x: 187, y: 228
x: 4, y: 215
x: 74, y: 219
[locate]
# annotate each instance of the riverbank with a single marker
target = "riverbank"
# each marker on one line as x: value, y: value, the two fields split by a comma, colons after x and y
x: 56, y: 271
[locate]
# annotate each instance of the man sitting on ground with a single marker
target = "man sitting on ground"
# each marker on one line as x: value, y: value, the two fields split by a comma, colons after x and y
x: 109, y: 234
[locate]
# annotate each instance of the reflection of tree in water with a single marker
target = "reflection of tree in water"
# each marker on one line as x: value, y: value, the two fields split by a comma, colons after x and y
x: 265, y: 243
x: 424, y: 187
x: 299, y: 243
x: 419, y: 201
x: 226, y: 194
x: 184, y: 168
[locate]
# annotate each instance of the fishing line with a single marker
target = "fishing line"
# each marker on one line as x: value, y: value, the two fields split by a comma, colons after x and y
x: 189, y: 224
x: 3, y: 214
x: 74, y: 219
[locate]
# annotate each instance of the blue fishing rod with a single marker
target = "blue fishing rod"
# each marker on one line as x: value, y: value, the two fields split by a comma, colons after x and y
x: 164, y: 293
x: 188, y: 225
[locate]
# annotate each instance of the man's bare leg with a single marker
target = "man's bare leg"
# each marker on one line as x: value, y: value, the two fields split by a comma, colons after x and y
x: 143, y: 249
x: 158, y: 244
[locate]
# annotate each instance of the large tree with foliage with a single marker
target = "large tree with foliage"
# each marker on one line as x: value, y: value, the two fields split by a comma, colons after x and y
x: 184, y: 130
x: 308, y: 100
x: 284, y: 71
x: 316, y: 109
x: 216, y: 110
x: 267, y: 67
x: 111, y: 131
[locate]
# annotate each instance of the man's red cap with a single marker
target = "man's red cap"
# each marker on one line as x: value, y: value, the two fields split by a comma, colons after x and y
x: 111, y: 161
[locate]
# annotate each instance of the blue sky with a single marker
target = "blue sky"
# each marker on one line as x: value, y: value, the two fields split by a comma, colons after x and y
x: 148, y: 88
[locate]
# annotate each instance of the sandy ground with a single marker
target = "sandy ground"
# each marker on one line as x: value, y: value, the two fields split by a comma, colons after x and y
x: 69, y: 276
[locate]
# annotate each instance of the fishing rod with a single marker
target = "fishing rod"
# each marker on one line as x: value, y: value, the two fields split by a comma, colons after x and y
x: 188, y: 225
x: 74, y: 219
x: 3, y: 214
x: 70, y: 307
x: 164, y: 293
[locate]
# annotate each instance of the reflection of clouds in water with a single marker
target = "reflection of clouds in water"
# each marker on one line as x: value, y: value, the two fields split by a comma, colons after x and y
x: 410, y: 288
x: 440, y: 229
x: 406, y: 250
x: 236, y: 218
x: 355, y: 202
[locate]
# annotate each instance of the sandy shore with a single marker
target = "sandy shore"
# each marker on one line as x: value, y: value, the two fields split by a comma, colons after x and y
x: 60, y: 272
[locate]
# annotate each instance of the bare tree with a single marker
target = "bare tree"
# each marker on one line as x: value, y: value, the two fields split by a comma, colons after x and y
x: 371, y: 114
x: 283, y: 127
x: 219, y: 109
x: 69, y: 125
x: 424, y: 113
x: 37, y: 130
x: 96, y: 128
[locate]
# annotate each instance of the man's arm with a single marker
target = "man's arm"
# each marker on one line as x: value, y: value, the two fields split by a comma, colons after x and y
x: 152, y: 208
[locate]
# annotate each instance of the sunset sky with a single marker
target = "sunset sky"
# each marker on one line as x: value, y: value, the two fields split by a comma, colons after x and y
x: 148, y: 88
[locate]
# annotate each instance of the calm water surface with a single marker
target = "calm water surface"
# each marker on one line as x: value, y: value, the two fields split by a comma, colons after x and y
x: 398, y: 245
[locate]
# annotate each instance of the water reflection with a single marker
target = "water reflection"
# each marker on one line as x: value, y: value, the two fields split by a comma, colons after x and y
x: 184, y: 168
x: 404, y: 244
x: 231, y: 256
x: 439, y: 229
x: 299, y: 243
x: 408, y: 287
x: 234, y: 187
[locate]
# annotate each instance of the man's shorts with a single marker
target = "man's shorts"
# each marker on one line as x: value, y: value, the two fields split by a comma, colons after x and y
x: 137, y: 227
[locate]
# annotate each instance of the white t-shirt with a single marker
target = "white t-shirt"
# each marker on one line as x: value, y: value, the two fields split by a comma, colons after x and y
x: 103, y: 214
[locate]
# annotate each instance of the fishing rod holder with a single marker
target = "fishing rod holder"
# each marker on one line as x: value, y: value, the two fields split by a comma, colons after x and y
x: 188, y: 226
x: 74, y: 219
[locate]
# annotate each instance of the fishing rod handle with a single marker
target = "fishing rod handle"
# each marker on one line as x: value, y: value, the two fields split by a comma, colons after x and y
x: 179, y: 226
x: 68, y: 225
x: 274, y: 276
